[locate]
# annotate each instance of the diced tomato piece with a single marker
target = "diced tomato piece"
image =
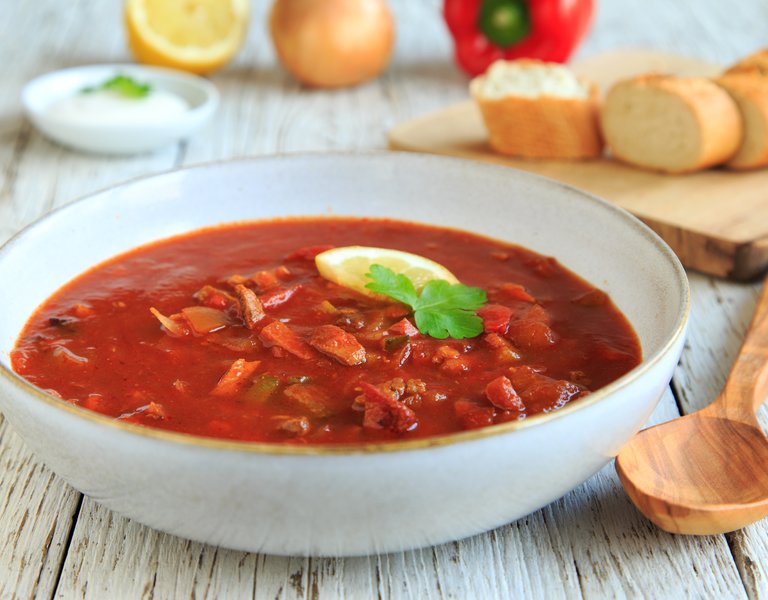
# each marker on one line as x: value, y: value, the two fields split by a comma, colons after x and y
x: 264, y: 280
x: 533, y: 331
x: 455, y: 366
x: 236, y: 376
x: 473, y: 416
x: 523, y: 377
x: 541, y: 393
x: 383, y: 411
x: 279, y: 334
x: 307, y: 253
x: 218, y: 301
x: 337, y: 343
x: 505, y: 351
x: 444, y: 353
x: 462, y: 407
x: 552, y: 395
x: 421, y: 353
x: 515, y: 291
x: 278, y: 297
x: 215, y: 298
x: 538, y: 313
x: 479, y: 417
x: 533, y: 335
x: 403, y: 327
x: 495, y: 318
x: 502, y: 394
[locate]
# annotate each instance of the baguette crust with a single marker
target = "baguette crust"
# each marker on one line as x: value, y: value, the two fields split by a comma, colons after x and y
x: 671, y: 124
x: 756, y: 62
x: 749, y: 89
x: 543, y: 126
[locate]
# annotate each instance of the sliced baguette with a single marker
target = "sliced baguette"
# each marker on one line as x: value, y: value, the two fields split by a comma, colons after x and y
x: 671, y: 124
x: 749, y: 89
x: 534, y: 109
x: 756, y: 62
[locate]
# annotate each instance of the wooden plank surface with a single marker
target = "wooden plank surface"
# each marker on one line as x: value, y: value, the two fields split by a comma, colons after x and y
x: 715, y: 220
x: 591, y: 543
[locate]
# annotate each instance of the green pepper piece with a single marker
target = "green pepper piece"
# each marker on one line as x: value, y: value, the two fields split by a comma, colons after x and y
x: 262, y: 389
x: 299, y: 379
x: 504, y: 22
x: 395, y: 342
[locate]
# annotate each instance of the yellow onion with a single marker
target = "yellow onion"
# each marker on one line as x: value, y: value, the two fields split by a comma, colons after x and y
x: 332, y: 43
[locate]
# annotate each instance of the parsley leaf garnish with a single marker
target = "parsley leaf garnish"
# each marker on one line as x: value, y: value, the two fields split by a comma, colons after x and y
x: 123, y: 85
x: 441, y: 309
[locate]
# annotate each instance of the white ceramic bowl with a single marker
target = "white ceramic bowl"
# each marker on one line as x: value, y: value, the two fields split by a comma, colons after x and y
x: 330, y: 501
x: 118, y: 138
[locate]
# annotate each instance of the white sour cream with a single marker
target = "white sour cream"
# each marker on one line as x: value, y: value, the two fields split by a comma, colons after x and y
x: 107, y: 107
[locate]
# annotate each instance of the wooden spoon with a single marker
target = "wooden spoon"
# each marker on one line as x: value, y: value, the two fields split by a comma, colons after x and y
x: 707, y: 472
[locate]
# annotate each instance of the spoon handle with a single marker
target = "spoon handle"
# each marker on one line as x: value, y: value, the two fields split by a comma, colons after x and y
x: 747, y: 385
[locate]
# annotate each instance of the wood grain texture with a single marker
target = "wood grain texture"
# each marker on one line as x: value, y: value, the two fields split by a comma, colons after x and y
x: 38, y: 512
x: 727, y: 239
x: 707, y: 472
x: 720, y: 315
x: 591, y: 543
x: 592, y: 538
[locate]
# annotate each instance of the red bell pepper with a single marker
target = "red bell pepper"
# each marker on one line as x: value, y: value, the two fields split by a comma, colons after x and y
x: 485, y: 31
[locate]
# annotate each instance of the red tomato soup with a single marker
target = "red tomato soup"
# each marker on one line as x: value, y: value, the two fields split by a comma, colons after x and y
x: 231, y: 333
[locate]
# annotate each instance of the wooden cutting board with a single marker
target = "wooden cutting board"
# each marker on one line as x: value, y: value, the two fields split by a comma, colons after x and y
x: 716, y: 221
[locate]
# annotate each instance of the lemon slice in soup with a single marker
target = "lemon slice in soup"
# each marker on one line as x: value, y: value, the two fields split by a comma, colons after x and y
x: 347, y: 266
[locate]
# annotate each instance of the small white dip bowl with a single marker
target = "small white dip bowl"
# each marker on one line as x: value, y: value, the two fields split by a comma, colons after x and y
x: 355, y: 500
x: 40, y: 94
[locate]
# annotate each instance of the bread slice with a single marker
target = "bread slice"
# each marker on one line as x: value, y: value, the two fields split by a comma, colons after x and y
x: 671, y: 124
x: 754, y: 63
x: 534, y: 109
x: 750, y: 91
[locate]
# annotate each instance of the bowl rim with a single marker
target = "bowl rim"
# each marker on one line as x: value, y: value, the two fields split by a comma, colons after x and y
x: 220, y: 444
x: 210, y: 94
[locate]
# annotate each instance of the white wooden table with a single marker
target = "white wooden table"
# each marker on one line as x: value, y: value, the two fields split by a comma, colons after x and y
x: 592, y: 542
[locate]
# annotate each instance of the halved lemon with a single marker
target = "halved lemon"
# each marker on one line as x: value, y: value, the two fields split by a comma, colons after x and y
x: 193, y: 35
x: 348, y: 265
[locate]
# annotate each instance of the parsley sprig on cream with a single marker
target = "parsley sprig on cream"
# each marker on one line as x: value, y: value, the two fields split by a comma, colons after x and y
x: 123, y: 85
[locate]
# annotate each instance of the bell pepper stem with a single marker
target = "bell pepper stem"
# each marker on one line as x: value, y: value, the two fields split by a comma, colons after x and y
x: 504, y: 22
